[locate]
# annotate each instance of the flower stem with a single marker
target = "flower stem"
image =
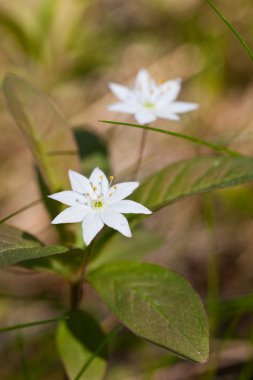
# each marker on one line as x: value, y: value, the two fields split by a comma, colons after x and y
x: 140, y: 153
x: 76, y: 289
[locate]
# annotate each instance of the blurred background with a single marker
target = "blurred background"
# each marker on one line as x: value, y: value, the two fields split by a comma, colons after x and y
x: 71, y: 49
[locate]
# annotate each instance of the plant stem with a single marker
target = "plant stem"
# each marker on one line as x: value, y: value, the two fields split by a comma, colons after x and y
x: 140, y: 153
x: 76, y: 289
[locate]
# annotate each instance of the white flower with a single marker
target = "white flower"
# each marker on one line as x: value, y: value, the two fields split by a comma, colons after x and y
x: 96, y: 202
x: 148, y: 100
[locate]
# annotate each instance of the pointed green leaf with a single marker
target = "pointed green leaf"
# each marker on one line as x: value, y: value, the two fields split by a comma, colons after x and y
x: 191, y: 177
x: 80, y: 340
x: 46, y: 132
x: 156, y: 304
x: 17, y: 246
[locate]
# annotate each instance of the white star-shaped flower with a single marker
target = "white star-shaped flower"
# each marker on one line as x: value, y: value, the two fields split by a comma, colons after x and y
x: 96, y: 202
x: 148, y: 100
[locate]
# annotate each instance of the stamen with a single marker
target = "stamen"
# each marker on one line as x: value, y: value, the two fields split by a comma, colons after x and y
x: 82, y: 203
x: 101, y: 185
x: 111, y: 178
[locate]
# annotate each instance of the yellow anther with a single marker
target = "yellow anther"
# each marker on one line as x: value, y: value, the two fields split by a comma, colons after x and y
x: 111, y: 177
x: 161, y: 81
x: 115, y: 187
x: 101, y: 177
x: 110, y: 194
x: 95, y: 188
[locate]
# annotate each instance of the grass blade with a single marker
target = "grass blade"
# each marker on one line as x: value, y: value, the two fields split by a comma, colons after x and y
x: 24, y: 208
x: 232, y: 28
x: 216, y: 147
x: 30, y: 324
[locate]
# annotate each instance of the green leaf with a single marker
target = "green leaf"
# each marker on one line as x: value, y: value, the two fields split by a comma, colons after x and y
x: 117, y: 247
x: 47, y: 134
x: 155, y: 304
x: 80, y: 339
x: 17, y: 246
x: 193, y: 176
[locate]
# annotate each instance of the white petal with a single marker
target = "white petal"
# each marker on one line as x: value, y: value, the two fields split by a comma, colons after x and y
x: 122, y: 107
x: 168, y: 92
x: 100, y: 181
x: 181, y: 107
x: 144, y: 117
x: 116, y: 221
x: 79, y: 182
x: 129, y: 207
x: 92, y: 224
x: 144, y: 86
x: 72, y: 214
x: 70, y: 198
x: 165, y: 113
x: 122, y: 92
x: 144, y: 81
x: 120, y: 191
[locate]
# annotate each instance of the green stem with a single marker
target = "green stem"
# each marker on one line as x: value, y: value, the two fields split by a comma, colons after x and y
x: 23, y: 362
x: 216, y: 147
x: 76, y: 288
x: 231, y: 27
x: 140, y: 153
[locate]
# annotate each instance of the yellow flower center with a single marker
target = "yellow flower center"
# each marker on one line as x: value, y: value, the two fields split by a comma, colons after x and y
x: 149, y: 105
x: 98, y: 204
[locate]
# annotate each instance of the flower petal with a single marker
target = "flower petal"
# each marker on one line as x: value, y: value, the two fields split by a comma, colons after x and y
x: 100, y: 181
x: 120, y: 191
x: 122, y: 107
x: 168, y: 92
x: 116, y: 221
x: 122, y: 92
x: 129, y: 207
x: 181, y: 107
x: 91, y: 226
x: 74, y: 214
x: 144, y: 116
x: 144, y: 86
x: 70, y: 198
x: 79, y: 182
x: 165, y: 113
